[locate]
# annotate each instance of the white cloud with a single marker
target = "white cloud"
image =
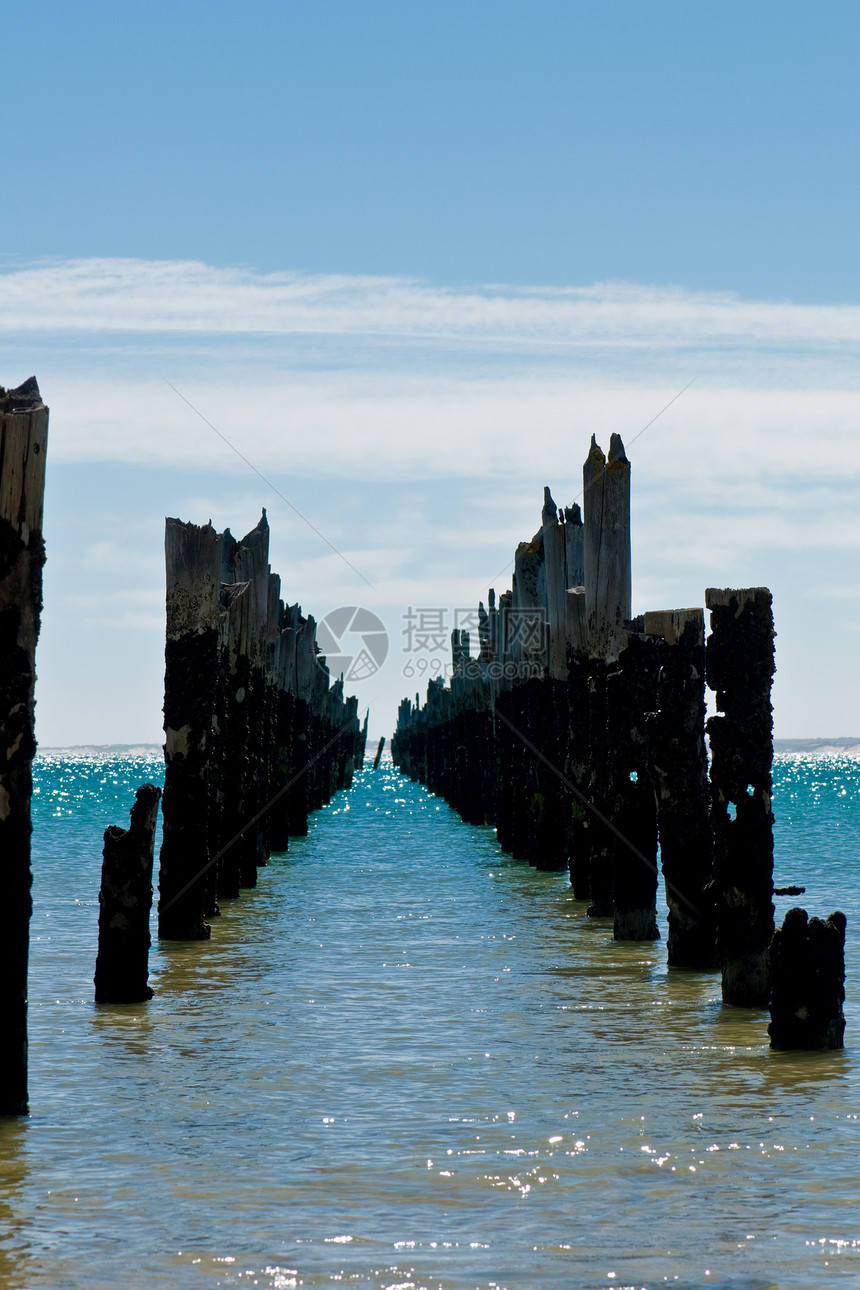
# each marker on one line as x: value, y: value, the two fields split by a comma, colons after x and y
x: 123, y: 296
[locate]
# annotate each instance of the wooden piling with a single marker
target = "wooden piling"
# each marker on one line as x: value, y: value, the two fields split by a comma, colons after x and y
x: 252, y: 566
x: 23, y: 444
x: 606, y: 501
x: 631, y: 693
x: 378, y: 758
x: 125, y: 900
x: 231, y: 730
x: 606, y: 498
x: 193, y: 562
x: 740, y: 667
x: 807, y: 959
x: 282, y: 734
x: 361, y: 743
x: 679, y: 765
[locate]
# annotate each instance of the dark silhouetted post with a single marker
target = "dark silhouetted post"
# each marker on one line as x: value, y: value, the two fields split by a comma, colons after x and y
x: 808, y: 967
x: 193, y: 557
x: 679, y: 765
x: 125, y: 899
x: 23, y: 442
x: 740, y: 667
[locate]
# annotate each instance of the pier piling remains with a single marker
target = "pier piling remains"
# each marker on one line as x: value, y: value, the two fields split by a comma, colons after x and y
x: 580, y: 734
x: 378, y: 758
x: 125, y: 900
x: 256, y: 736
x: 23, y: 445
x: 807, y: 960
x: 740, y: 667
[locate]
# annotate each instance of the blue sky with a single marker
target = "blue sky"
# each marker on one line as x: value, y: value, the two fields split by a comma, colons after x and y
x: 407, y: 258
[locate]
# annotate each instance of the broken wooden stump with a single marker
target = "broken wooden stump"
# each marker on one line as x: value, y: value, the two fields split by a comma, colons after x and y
x: 378, y: 757
x: 23, y: 444
x: 125, y: 900
x: 740, y: 667
x: 361, y: 743
x: 608, y: 587
x: 807, y: 961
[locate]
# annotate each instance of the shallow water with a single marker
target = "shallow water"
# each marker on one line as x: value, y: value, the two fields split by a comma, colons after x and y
x: 406, y: 1060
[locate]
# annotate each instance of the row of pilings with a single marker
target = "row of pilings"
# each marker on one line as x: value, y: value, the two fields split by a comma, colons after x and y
x: 579, y: 732
x: 256, y: 734
x: 256, y: 738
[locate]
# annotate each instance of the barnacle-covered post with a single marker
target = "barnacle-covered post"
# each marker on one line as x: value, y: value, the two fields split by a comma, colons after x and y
x: 808, y: 969
x: 23, y: 441
x: 679, y: 766
x: 631, y: 692
x: 740, y: 667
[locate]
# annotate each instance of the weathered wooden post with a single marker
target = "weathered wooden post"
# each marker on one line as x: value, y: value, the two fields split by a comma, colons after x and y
x: 23, y: 444
x: 125, y: 899
x: 378, y: 758
x: 306, y: 666
x: 577, y: 768
x: 272, y: 768
x: 679, y: 764
x: 550, y: 823
x: 193, y: 561
x: 527, y: 655
x: 807, y: 957
x: 361, y: 743
x: 608, y: 588
x: 228, y: 812
x: 283, y: 704
x: 631, y: 693
x: 576, y: 758
x: 252, y: 564
x: 504, y: 738
x: 740, y: 667
x: 606, y: 499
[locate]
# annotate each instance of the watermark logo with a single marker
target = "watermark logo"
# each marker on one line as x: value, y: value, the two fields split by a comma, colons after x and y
x: 353, y: 641
x: 508, y: 644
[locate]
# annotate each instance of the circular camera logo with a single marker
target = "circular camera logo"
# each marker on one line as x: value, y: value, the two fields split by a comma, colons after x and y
x: 353, y: 641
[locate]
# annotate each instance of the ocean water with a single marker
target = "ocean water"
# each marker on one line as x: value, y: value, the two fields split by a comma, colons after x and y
x: 406, y: 1060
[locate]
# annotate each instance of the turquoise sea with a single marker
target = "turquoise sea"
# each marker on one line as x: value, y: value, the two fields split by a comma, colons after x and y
x: 406, y: 1061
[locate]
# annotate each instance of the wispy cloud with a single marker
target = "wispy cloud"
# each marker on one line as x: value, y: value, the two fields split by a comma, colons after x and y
x: 122, y: 296
x: 394, y: 378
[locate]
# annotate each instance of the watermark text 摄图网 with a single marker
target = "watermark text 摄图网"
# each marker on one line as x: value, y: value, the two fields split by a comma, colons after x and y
x: 508, y: 643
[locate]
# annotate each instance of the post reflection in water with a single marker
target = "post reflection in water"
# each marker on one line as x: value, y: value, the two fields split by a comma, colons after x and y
x: 14, y: 1244
x: 405, y: 1059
